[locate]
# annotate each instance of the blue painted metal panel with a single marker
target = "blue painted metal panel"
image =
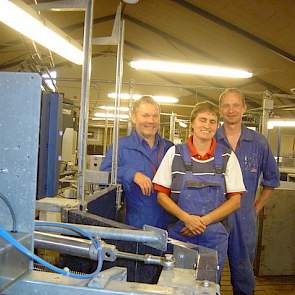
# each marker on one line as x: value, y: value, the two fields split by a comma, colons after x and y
x: 50, y: 145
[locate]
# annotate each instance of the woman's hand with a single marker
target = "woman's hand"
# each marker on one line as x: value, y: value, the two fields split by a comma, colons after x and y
x: 194, y: 225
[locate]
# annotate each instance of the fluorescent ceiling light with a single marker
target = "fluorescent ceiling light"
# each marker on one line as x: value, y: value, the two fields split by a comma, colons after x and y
x: 27, y: 22
x: 125, y: 96
x: 109, y: 119
x: 157, y: 98
x: 111, y: 108
x: 108, y: 115
x: 131, y: 1
x: 50, y: 80
x: 164, y: 99
x: 182, y: 124
x: 186, y: 68
x: 279, y: 123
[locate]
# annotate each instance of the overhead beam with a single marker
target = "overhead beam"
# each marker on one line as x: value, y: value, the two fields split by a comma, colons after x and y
x: 219, y: 21
x: 96, y: 21
x: 190, y: 47
x: 168, y: 36
x: 165, y: 35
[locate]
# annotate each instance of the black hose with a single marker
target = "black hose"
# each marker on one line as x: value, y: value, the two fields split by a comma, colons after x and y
x: 6, y: 201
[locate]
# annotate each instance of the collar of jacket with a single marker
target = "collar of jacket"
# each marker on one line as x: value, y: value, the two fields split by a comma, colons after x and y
x: 139, y: 141
x: 246, y: 134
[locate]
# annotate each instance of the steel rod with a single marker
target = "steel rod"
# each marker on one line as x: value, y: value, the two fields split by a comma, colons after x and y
x: 119, y: 73
x: 147, y: 258
x: 84, y: 104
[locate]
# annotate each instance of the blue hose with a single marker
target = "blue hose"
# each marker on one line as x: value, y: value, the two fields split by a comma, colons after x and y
x: 6, y: 201
x: 6, y: 236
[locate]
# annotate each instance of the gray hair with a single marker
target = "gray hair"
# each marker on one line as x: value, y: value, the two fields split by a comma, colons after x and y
x: 142, y: 100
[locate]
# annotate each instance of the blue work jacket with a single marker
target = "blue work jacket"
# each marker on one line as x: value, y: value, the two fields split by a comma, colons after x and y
x: 135, y: 155
x: 256, y: 159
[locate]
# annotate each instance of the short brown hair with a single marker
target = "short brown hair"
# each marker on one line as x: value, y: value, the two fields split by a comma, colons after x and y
x: 234, y: 91
x: 205, y: 106
x: 144, y: 99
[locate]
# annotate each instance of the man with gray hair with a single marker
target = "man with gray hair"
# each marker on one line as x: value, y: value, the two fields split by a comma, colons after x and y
x: 256, y: 159
x: 139, y: 156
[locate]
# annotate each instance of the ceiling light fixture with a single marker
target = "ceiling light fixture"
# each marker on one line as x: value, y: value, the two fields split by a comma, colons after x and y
x: 111, y: 108
x: 186, y: 68
x: 125, y: 96
x: 27, y: 22
x: 182, y: 124
x: 108, y: 115
x: 279, y: 123
x: 131, y: 1
x: 50, y: 79
x: 164, y: 99
x: 157, y: 98
x: 109, y: 119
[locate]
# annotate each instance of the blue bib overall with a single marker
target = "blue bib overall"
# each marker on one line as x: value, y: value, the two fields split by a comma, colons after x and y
x: 198, y: 187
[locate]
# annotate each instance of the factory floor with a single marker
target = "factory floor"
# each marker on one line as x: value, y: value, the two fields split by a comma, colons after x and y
x: 264, y: 285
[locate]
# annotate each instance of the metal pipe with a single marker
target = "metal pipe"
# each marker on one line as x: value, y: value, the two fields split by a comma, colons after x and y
x: 172, y: 126
x: 111, y: 233
x: 66, y: 245
x: 278, y: 145
x: 84, y: 104
x: 130, y: 256
x: 119, y: 73
x: 130, y: 105
x: 105, y: 137
x: 267, y: 108
x: 147, y: 258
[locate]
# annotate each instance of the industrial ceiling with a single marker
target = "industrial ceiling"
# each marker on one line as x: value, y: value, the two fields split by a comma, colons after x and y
x: 257, y: 36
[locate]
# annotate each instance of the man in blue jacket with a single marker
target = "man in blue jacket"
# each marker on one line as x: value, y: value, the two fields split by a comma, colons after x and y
x: 139, y: 156
x: 256, y: 159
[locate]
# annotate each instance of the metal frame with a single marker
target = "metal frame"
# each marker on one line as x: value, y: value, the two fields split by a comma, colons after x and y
x: 19, y: 147
x: 117, y: 38
x: 84, y: 105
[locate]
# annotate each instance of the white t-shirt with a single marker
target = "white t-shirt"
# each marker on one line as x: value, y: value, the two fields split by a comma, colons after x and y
x: 233, y: 174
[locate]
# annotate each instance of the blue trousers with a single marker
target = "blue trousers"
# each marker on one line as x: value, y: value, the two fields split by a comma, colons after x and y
x: 241, y: 250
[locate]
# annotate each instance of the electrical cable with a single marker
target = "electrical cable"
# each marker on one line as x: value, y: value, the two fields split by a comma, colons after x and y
x: 6, y: 201
x: 5, y: 235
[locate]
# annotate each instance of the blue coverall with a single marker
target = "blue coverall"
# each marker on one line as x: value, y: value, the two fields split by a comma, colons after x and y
x: 201, y: 191
x: 135, y: 155
x: 255, y: 158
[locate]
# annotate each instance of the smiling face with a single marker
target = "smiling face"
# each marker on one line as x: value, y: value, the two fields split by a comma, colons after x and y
x: 204, y: 126
x: 146, y: 120
x: 232, y: 108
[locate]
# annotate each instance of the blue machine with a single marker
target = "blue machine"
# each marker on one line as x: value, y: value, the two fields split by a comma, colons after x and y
x: 49, y: 145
